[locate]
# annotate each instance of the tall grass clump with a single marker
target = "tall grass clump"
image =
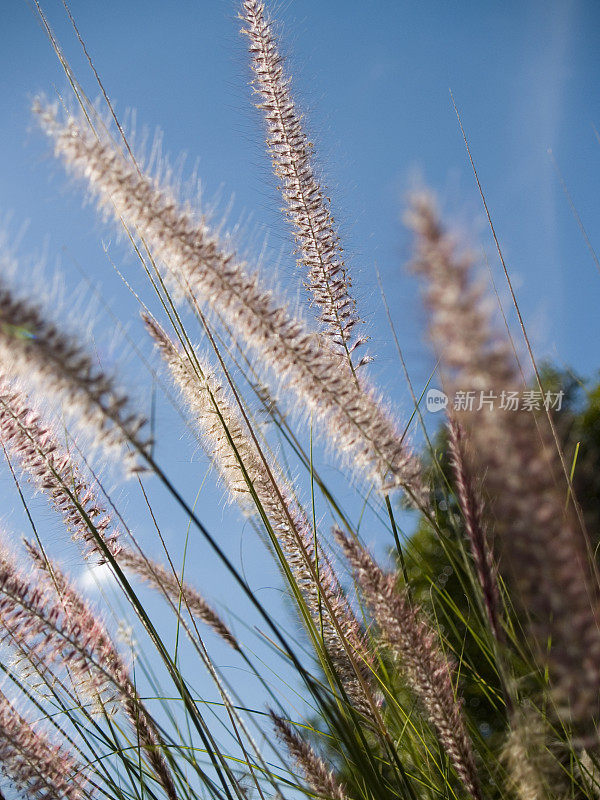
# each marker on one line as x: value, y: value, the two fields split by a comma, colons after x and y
x: 375, y: 679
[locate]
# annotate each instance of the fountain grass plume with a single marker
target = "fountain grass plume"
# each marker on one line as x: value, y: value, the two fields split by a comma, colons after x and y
x: 429, y: 672
x: 48, y: 361
x: 55, y: 472
x: 317, y: 774
x: 353, y: 418
x: 34, y: 763
x: 306, y: 204
x: 471, y: 506
x: 255, y: 483
x: 541, y: 545
x: 71, y: 633
x: 52, y: 470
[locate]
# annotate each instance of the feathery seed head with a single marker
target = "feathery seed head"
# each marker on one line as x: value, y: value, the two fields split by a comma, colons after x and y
x: 306, y: 205
x: 416, y: 645
x: 541, y: 545
x: 45, y: 612
x: 53, y: 471
x: 471, y: 505
x: 317, y: 774
x: 250, y: 478
x: 352, y: 415
x: 33, y: 763
x: 78, y: 638
x: 35, y: 352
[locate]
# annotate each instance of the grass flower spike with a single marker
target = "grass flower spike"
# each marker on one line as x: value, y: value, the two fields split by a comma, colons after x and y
x: 540, y: 542
x: 354, y: 418
x: 245, y: 471
x: 33, y: 763
x: 306, y: 205
x: 316, y: 773
x: 472, y: 508
x: 54, y: 471
x: 44, y: 359
x: 416, y: 645
x: 51, y: 615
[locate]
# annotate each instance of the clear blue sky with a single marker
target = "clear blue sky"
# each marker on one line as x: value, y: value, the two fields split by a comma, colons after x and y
x: 375, y: 81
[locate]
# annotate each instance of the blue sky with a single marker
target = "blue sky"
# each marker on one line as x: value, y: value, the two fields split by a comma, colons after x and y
x: 374, y: 79
x: 375, y: 86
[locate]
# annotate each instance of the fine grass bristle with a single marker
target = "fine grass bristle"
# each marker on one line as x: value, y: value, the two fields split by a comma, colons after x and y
x: 468, y: 667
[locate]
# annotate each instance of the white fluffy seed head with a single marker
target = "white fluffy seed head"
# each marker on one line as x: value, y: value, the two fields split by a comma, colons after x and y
x: 306, y: 204
x: 46, y: 360
x: 34, y: 447
x: 353, y: 417
x: 37, y: 766
x: 541, y: 545
x: 241, y: 464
